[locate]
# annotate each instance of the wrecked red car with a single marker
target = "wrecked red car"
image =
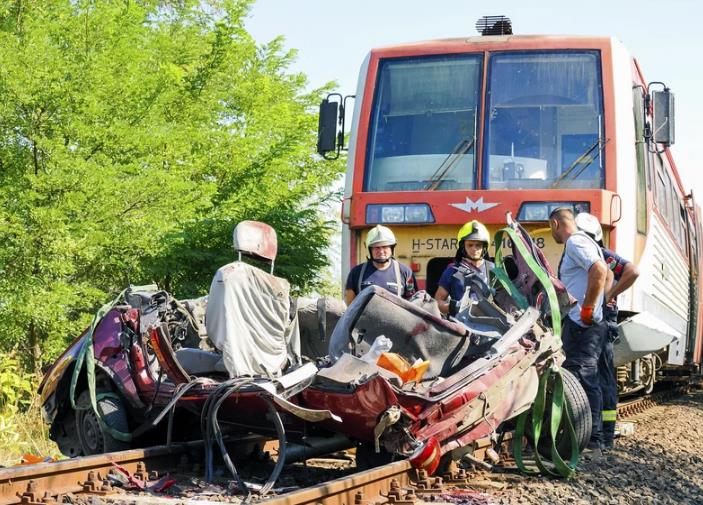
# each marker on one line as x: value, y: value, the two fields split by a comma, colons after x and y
x: 241, y: 361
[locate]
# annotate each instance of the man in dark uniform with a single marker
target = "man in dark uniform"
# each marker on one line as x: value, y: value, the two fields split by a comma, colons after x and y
x: 381, y: 269
x: 624, y: 274
x: 583, y: 271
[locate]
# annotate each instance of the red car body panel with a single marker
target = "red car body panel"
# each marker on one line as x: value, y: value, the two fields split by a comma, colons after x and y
x: 359, y: 410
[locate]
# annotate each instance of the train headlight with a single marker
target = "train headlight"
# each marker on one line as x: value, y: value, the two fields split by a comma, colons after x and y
x: 540, y: 211
x: 418, y: 213
x: 392, y: 214
x: 404, y: 213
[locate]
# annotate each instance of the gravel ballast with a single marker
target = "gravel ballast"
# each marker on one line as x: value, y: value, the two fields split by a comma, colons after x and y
x: 661, y: 462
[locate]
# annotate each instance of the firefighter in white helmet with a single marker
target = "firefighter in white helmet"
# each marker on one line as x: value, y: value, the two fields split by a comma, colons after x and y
x: 623, y: 274
x: 473, y: 240
x: 381, y: 269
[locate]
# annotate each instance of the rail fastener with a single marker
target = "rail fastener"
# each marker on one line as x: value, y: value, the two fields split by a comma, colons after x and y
x: 428, y: 485
x: 397, y: 496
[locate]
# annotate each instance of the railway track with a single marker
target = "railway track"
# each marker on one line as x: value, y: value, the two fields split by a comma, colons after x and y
x: 395, y: 483
x: 638, y: 405
x: 47, y: 482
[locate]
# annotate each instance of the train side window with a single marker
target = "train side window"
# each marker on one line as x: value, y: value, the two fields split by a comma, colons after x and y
x: 693, y: 240
x: 682, y: 229
x: 663, y: 190
x: 643, y: 175
x: 673, y: 211
x: 675, y: 216
x: 660, y: 191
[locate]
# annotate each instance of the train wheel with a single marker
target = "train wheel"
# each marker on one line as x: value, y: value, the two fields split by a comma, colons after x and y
x: 93, y: 438
x: 647, y: 370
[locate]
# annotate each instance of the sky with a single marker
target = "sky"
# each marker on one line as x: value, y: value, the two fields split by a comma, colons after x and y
x: 332, y: 39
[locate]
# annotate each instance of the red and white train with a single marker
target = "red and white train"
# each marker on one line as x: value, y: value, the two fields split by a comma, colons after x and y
x: 451, y: 130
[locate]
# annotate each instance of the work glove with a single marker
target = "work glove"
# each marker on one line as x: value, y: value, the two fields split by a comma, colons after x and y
x: 453, y: 307
x: 587, y: 314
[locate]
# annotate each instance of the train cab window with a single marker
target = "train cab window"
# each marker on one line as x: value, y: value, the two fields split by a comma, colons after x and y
x: 423, y: 124
x: 544, y: 121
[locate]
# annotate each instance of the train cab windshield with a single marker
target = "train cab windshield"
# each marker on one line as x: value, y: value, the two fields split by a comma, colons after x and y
x: 542, y: 128
x: 423, y: 126
x: 544, y: 121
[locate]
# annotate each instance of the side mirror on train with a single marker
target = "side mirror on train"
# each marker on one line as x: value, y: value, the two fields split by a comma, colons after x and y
x: 327, y: 127
x: 663, y: 116
x: 331, y: 126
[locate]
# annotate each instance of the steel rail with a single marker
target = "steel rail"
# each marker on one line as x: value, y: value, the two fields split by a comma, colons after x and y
x: 31, y: 483
x: 641, y: 404
x: 359, y: 488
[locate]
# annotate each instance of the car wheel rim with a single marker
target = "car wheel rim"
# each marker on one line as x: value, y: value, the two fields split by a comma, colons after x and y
x: 90, y: 433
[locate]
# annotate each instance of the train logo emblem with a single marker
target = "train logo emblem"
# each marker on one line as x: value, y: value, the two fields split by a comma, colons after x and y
x: 469, y: 205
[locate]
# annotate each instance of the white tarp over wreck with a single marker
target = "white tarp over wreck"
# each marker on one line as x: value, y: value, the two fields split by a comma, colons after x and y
x: 248, y: 320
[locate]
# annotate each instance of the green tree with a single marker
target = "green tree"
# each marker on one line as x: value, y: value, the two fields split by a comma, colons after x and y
x: 133, y: 137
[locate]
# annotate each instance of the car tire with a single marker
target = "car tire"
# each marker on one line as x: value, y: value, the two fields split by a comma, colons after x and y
x: 93, y: 438
x: 580, y: 409
x: 65, y: 434
x: 577, y: 402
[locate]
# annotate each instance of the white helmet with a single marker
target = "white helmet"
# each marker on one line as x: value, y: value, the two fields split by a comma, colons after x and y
x: 379, y: 236
x: 589, y: 223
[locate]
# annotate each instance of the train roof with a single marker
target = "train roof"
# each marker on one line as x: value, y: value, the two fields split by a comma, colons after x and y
x: 499, y: 42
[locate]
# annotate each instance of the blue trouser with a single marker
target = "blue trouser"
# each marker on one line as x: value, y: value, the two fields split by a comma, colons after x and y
x: 583, y: 347
x: 606, y: 374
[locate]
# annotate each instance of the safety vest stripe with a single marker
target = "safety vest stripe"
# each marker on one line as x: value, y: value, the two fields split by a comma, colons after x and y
x: 609, y: 415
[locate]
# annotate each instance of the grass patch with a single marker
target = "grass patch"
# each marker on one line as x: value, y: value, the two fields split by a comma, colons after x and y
x: 22, y: 430
x: 25, y: 432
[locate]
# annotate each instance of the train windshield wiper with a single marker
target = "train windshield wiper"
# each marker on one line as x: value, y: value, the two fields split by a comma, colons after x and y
x: 464, y: 146
x: 584, y: 160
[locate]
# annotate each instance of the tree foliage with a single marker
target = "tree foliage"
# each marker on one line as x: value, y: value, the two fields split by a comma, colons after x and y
x: 133, y: 137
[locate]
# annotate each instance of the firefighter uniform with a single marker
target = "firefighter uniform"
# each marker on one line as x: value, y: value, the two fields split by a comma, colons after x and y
x: 606, y: 367
x: 398, y: 278
x: 383, y: 271
x: 471, y: 258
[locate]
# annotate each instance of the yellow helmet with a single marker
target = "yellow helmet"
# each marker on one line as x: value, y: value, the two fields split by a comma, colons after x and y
x: 473, y: 230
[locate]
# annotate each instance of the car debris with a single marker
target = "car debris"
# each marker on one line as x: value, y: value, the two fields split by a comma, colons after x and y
x: 148, y: 357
